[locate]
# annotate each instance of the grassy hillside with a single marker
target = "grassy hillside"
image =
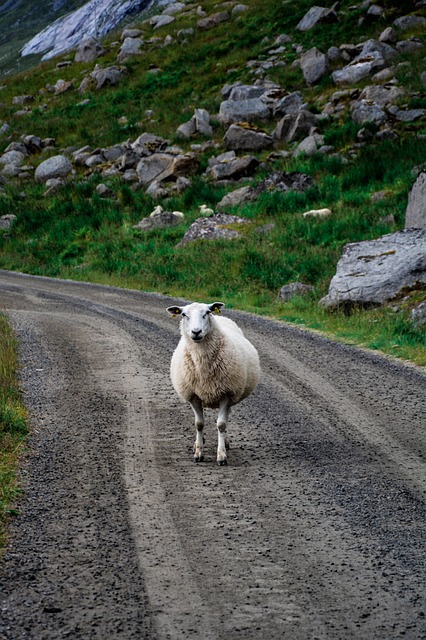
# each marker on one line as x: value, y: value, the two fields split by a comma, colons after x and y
x: 76, y: 234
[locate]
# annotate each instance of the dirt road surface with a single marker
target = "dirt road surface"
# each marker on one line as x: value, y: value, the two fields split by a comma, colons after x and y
x: 315, y: 529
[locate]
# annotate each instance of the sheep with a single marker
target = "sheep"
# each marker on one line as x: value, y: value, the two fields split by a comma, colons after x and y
x: 213, y: 366
x: 157, y: 210
x: 178, y: 214
x: 205, y: 211
x: 317, y: 213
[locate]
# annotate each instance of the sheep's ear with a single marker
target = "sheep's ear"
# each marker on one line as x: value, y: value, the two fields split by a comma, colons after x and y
x: 174, y: 311
x: 216, y: 306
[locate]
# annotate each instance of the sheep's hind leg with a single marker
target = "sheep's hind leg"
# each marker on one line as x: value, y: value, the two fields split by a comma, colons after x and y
x: 222, y: 420
x: 197, y: 408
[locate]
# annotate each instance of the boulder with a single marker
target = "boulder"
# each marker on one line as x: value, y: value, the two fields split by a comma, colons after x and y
x: 108, y: 77
x: 288, y: 104
x: 198, y: 124
x: 389, y: 35
x: 130, y: 47
x: 382, y: 95
x: 373, y: 57
x: 314, y: 65
x: 55, y: 167
x: 374, y: 272
x: 23, y: 100
x: 294, y: 127
x: 161, y: 220
x: 236, y: 197
x: 15, y: 158
x: 308, y: 146
x: 415, y: 215
x: 289, y: 291
x: 284, y: 181
x: 175, y: 7
x: 212, y: 21
x: 234, y: 169
x: 367, y: 111
x: 418, y: 316
x: 232, y: 111
x: 213, y: 228
x: 161, y: 21
x: 314, y: 16
x: 33, y: 144
x: 89, y: 50
x: 7, y: 221
x: 248, y: 138
x: 147, y: 144
x: 245, y: 92
x: 163, y: 166
x: 409, y: 23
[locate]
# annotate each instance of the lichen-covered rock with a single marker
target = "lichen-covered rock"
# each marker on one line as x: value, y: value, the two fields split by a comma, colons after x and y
x: 55, y: 167
x: 376, y: 271
x: 89, y: 50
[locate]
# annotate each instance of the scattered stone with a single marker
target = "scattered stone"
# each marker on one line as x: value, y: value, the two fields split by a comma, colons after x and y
x: 198, y: 124
x: 163, y: 166
x: 293, y: 127
x: 367, y: 111
x: 410, y: 23
x: 289, y: 104
x: 245, y: 137
x: 130, y: 47
x: 52, y: 186
x: 6, y: 221
x: 289, y: 291
x: 205, y: 24
x: 61, y: 86
x: 147, y: 144
x: 33, y: 144
x: 12, y: 157
x: 239, y: 8
x: 161, y: 21
x: 213, y: 228
x: 55, y: 167
x: 104, y: 192
x: 316, y: 15
x: 89, y: 50
x: 23, y: 100
x: 232, y: 111
x: 415, y: 214
x: 234, y: 169
x: 373, y: 272
x: 389, y: 35
x: 235, y: 198
x: 314, y: 65
x: 418, y: 316
x: 160, y: 220
x: 283, y: 181
x: 108, y: 77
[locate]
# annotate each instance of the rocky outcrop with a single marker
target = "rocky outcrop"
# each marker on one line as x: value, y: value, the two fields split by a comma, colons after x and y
x: 213, y: 228
x: 243, y: 137
x: 376, y: 271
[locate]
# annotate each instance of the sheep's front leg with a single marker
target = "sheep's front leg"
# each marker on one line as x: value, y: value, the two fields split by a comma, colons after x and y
x: 197, y: 408
x: 222, y: 420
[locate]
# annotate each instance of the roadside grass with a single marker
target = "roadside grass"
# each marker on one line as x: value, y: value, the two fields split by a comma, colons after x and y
x: 13, y: 425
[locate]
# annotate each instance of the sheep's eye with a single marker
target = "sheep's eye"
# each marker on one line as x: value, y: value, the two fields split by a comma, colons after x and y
x: 183, y: 315
x: 207, y: 313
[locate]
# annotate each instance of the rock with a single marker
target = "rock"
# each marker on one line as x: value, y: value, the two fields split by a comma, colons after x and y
x: 308, y: 146
x: 410, y: 23
x: 248, y: 138
x: 418, y: 316
x: 232, y: 111
x: 389, y: 35
x: 314, y: 66
x: 283, y: 181
x: 367, y: 111
x: 212, y: 21
x: 7, y: 221
x: 316, y: 15
x: 406, y: 115
x: 198, y: 124
x: 292, y: 290
x: 113, y: 153
x: 61, y: 86
x: 245, y: 92
x: 160, y: 220
x: 373, y: 57
x: 236, y: 197
x: 175, y: 7
x: 239, y: 8
x: 376, y: 271
x: 382, y: 95
x: 415, y: 214
x: 23, y: 100
x: 52, y: 186
x: 375, y: 12
x: 109, y: 77
x: 234, y: 169
x: 288, y: 104
x: 213, y: 228
x: 161, y: 20
x: 147, y: 144
x: 33, y: 143
x: 104, y: 192
x: 12, y: 157
x: 162, y: 166
x: 130, y: 33
x: 130, y: 47
x: 293, y: 127
x: 89, y: 50
x: 55, y: 167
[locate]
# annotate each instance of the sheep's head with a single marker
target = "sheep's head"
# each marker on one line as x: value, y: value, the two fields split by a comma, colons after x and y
x: 196, y: 318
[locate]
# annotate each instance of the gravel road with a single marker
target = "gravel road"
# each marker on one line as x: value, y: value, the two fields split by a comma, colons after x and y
x: 314, y: 531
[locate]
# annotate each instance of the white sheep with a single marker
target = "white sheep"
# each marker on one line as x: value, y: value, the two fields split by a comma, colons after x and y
x: 317, y: 213
x: 157, y: 210
x: 178, y: 214
x: 213, y: 366
x: 205, y: 211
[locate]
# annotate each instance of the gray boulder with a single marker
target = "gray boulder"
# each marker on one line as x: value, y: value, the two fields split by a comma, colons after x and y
x: 198, y: 124
x: 294, y: 127
x: 161, y: 220
x: 367, y: 111
x: 418, y: 316
x: 245, y: 92
x: 55, y: 167
x: 373, y: 57
x: 314, y: 65
x: 410, y: 22
x: 7, y: 221
x: 236, y: 197
x: 415, y: 215
x: 89, y: 50
x: 205, y: 24
x: 12, y: 157
x: 376, y: 271
x: 382, y: 95
x: 109, y: 77
x: 242, y: 137
x: 213, y: 228
x: 163, y: 166
x: 292, y: 290
x: 234, y: 169
x: 232, y: 111
x: 130, y: 47
x: 161, y: 21
x: 288, y: 104
x: 314, y: 16
x: 147, y: 144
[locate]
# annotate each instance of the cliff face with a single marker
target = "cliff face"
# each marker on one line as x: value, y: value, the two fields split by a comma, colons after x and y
x: 95, y: 18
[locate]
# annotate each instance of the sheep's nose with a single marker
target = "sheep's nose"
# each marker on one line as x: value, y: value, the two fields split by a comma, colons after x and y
x: 196, y: 333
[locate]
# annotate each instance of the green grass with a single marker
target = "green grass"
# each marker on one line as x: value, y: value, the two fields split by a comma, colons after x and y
x: 13, y: 425
x: 76, y: 234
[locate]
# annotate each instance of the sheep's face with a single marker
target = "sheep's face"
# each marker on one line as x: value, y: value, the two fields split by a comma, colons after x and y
x: 196, y: 318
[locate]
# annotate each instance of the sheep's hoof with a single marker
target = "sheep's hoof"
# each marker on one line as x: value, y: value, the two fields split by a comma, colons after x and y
x: 198, y: 459
x: 222, y: 463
